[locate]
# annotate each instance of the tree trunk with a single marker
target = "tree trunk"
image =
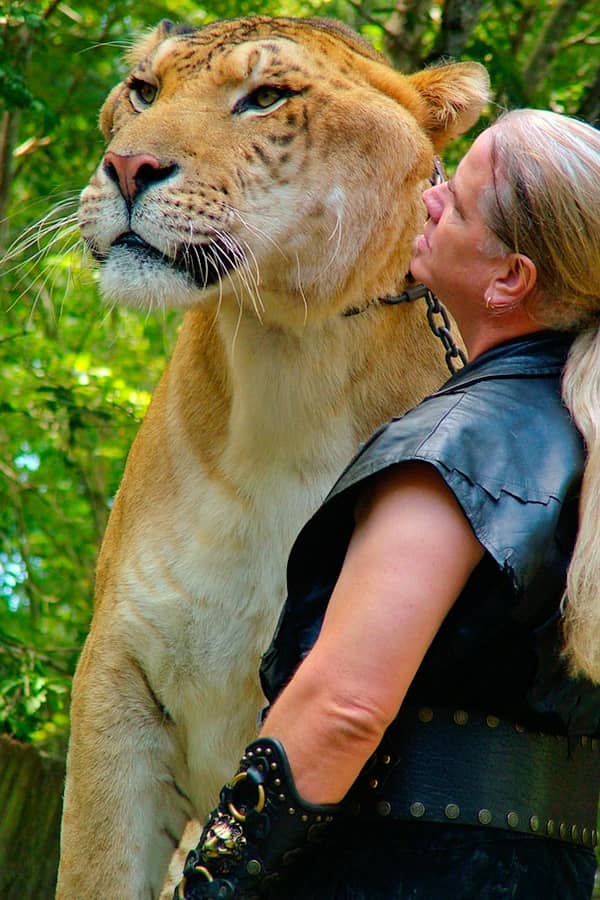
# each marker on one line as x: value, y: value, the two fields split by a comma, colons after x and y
x: 590, y: 102
x: 548, y: 45
x: 403, y: 34
x: 9, y: 129
x: 459, y: 17
x: 30, y: 805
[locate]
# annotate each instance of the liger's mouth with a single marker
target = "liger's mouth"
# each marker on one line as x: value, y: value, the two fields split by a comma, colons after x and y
x: 205, y: 264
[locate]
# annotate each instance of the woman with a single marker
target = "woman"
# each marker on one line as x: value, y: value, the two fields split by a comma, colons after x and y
x: 440, y: 739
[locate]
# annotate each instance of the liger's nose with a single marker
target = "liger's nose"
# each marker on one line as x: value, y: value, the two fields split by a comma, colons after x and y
x: 432, y: 204
x: 135, y: 173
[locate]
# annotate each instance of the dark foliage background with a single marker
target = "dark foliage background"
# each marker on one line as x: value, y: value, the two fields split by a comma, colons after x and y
x: 76, y: 377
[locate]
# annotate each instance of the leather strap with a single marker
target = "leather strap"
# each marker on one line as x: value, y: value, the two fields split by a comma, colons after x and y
x: 260, y: 824
x: 443, y: 765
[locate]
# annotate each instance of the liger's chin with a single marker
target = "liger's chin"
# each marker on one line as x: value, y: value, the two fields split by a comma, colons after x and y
x: 144, y: 282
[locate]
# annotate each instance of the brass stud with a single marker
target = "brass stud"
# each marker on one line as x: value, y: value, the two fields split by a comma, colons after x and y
x: 492, y: 721
x: 586, y: 836
x: 534, y: 823
x: 584, y: 740
x: 329, y: 818
x: 304, y: 817
x: 269, y: 751
x: 253, y: 867
x: 315, y: 833
x: 452, y: 811
x: 373, y: 783
x: 460, y: 716
x: 594, y: 838
x: 281, y: 797
x: 318, y: 818
x: 277, y: 782
x: 417, y: 809
x: 563, y: 829
x: 574, y: 833
x: 291, y: 811
x: 274, y: 766
x: 259, y: 749
x: 386, y: 759
x: 484, y: 816
x: 384, y: 808
x: 550, y: 828
x: 520, y: 729
x: 425, y: 714
x: 512, y: 819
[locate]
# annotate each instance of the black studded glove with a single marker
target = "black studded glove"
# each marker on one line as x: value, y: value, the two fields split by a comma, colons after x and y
x: 260, y: 825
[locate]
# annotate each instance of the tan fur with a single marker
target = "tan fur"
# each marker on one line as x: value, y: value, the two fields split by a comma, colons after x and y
x: 268, y: 393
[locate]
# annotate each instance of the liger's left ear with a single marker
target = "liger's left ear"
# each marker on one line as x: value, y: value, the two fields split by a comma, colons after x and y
x: 453, y: 97
x: 149, y: 41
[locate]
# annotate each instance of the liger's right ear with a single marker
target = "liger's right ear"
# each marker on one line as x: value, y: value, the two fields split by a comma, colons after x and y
x: 445, y: 100
x: 453, y: 97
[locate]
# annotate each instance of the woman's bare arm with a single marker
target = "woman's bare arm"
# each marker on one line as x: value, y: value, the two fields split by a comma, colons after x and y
x: 410, y: 555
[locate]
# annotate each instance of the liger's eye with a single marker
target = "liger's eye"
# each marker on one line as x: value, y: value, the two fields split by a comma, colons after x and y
x: 266, y: 96
x: 142, y: 94
x: 264, y: 99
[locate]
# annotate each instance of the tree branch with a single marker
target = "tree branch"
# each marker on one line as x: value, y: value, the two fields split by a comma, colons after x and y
x: 548, y: 45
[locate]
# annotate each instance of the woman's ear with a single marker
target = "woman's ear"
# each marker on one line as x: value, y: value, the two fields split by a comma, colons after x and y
x: 514, y: 282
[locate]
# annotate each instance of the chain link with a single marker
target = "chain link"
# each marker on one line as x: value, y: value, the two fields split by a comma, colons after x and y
x: 442, y: 331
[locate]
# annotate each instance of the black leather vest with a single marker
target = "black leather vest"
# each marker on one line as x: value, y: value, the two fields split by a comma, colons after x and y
x: 499, y: 435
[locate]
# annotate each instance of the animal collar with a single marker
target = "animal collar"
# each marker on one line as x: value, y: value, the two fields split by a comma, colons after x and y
x: 434, y: 307
x: 407, y: 296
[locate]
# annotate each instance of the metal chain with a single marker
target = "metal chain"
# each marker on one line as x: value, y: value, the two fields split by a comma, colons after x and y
x: 453, y: 351
x: 442, y: 331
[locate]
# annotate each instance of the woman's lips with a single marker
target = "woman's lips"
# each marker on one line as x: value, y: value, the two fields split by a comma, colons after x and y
x: 421, y: 243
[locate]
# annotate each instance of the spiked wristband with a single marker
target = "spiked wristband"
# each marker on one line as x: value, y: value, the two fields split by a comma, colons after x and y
x: 260, y: 825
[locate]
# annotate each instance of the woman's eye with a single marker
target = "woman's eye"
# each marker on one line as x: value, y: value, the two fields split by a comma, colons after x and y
x: 142, y: 94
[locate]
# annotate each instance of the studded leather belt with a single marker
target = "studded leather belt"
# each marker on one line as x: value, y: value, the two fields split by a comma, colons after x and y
x: 444, y: 765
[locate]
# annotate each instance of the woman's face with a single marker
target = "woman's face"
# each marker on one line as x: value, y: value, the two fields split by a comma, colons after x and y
x: 450, y: 256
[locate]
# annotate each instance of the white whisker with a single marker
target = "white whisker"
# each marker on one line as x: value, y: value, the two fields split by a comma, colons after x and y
x: 242, y: 270
x: 202, y: 261
x: 253, y: 275
x: 336, y: 233
x: 123, y: 44
x: 219, y: 303
x: 259, y: 233
x: 29, y: 256
x: 301, y: 289
x: 36, y: 235
x: 238, y: 323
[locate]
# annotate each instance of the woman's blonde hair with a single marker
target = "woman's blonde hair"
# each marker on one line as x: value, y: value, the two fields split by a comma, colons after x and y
x: 545, y: 204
